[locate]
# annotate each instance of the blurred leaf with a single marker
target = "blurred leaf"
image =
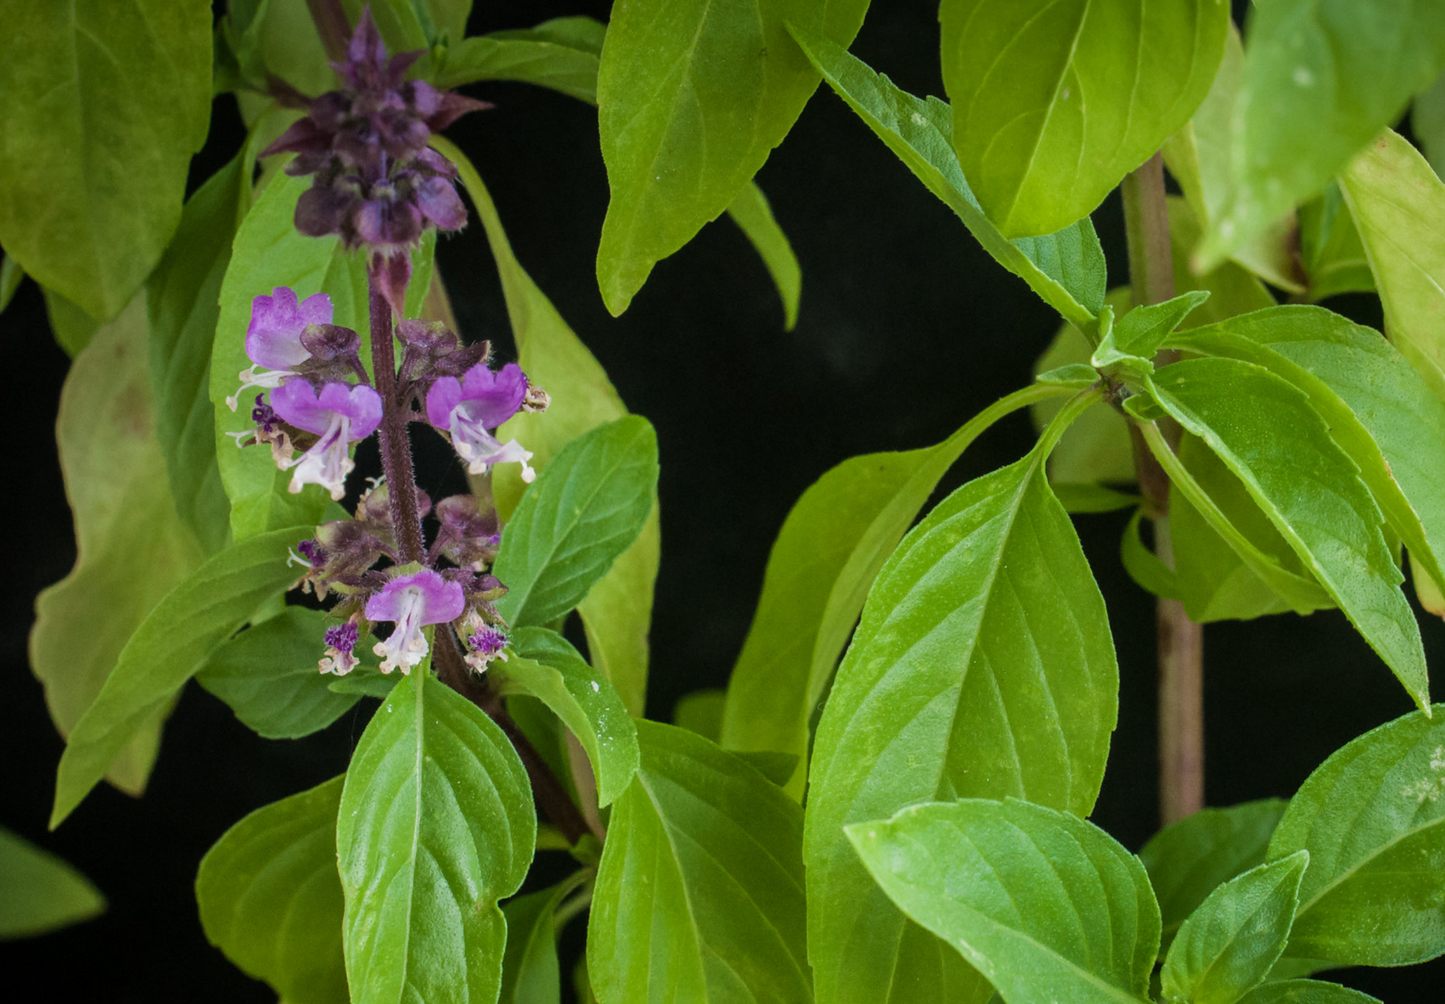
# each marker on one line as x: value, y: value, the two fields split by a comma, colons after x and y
x: 1021, y: 73
x: 131, y: 547
x: 1321, y: 78
x: 269, y: 677
x: 585, y: 509
x: 1427, y: 123
x: 1066, y: 269
x: 11, y: 276
x: 73, y: 327
x: 1233, y: 290
x: 1330, y: 247
x: 1305, y: 992
x: 702, y: 712
x: 751, y: 212
x: 617, y: 612
x: 104, y: 105
x: 982, y: 667
x: 531, y: 972
x: 42, y: 892
x: 270, y: 897
x: 183, y: 302
x: 1228, y: 944
x: 561, y: 54
x: 166, y: 650
x: 436, y: 825
x: 1003, y: 883
x: 550, y: 669
x: 1189, y: 859
x: 1373, y: 821
x: 692, y: 97
x: 699, y: 894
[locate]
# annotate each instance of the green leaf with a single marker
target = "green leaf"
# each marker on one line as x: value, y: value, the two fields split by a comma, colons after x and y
x: 1268, y: 435
x: 1189, y: 859
x: 1022, y: 76
x: 1140, y: 332
x: 1232, y: 289
x: 1321, y: 78
x: 1330, y: 248
x: 751, y: 212
x: 1229, y: 943
x: 42, y: 892
x: 550, y: 669
x: 1379, y: 409
x: 702, y: 712
x: 531, y: 972
x: 1143, y: 566
x: 11, y: 276
x: 1427, y: 123
x: 1398, y: 203
x: 131, y: 547
x: 1049, y: 907
x: 289, y: 45
x: 692, y: 97
x: 1372, y: 818
x: 268, y: 675
x: 73, y: 327
x: 1305, y: 992
x: 561, y: 54
x: 183, y: 301
x: 617, y: 612
x: 585, y: 509
x: 1066, y: 269
x: 436, y: 825
x: 983, y: 667
x: 166, y: 650
x: 270, y: 896
x: 104, y: 105
x: 825, y: 558
x: 699, y: 894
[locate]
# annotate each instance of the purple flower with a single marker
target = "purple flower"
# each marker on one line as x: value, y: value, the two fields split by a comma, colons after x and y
x: 340, y: 643
x: 469, y: 407
x: 412, y: 602
x: 340, y: 415
x: 273, y: 339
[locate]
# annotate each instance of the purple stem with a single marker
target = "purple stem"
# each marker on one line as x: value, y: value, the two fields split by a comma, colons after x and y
x: 395, y: 441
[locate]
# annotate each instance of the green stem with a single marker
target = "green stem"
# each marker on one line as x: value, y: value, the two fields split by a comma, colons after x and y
x: 1180, y: 640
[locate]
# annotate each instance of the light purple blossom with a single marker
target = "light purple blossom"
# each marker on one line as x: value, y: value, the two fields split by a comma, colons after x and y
x: 412, y: 602
x: 486, y: 643
x: 480, y: 401
x: 273, y: 339
x: 340, y: 415
x: 340, y: 645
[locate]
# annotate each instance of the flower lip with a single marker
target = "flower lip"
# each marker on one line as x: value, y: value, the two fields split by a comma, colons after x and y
x: 299, y: 404
x: 438, y: 600
x: 490, y: 398
x: 273, y: 338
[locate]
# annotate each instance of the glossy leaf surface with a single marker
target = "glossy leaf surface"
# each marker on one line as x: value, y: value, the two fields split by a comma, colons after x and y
x: 115, y: 481
x: 105, y: 103
x: 1050, y: 908
x: 1065, y: 268
x: 42, y: 892
x: 1372, y: 818
x: 167, y: 648
x: 1229, y: 943
x: 436, y: 825
x: 699, y: 893
x: 692, y: 97
x: 1054, y: 102
x: 983, y: 667
x: 270, y: 896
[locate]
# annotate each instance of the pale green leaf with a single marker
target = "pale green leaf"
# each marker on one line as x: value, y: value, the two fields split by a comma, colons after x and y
x: 827, y: 554
x: 1050, y: 908
x: 546, y: 666
x: 702, y: 712
x: 1267, y: 433
x: 1054, y: 102
x: 42, y: 892
x: 270, y: 896
x: 1143, y: 565
x: 166, y: 650
x: 436, y: 825
x: 1189, y: 859
x: 531, y: 972
x: 699, y: 894
x: 1227, y: 946
x: 1427, y: 122
x: 751, y: 212
x: 1066, y: 268
x: 131, y: 547
x: 1321, y: 78
x: 1330, y: 248
x: 104, y: 104
x: 982, y: 667
x: 1305, y: 992
x: 1373, y: 820
x: 1232, y: 289
x: 73, y: 327
x: 561, y: 54
x: 692, y: 97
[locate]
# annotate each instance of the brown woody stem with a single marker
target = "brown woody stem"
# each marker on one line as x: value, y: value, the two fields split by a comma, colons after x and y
x: 1181, y: 641
x: 394, y: 439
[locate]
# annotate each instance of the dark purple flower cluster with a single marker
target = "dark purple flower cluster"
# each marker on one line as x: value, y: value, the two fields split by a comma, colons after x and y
x: 376, y: 181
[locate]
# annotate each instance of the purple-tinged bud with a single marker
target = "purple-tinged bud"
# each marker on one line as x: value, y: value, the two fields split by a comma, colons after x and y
x: 468, y: 535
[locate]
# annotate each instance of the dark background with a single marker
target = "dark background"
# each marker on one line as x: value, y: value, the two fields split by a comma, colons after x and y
x: 907, y: 330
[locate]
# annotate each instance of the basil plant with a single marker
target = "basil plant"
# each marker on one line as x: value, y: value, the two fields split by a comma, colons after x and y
x: 890, y: 802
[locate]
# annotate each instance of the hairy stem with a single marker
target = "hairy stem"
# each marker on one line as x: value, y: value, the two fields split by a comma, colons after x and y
x: 394, y: 439
x: 1181, y: 641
